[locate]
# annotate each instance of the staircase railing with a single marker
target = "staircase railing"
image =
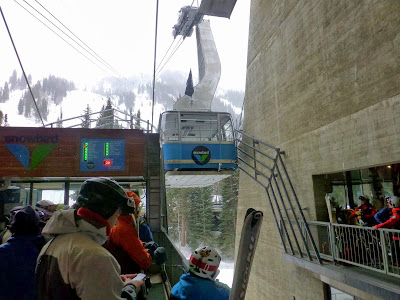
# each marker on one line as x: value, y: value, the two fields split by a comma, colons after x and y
x: 264, y: 164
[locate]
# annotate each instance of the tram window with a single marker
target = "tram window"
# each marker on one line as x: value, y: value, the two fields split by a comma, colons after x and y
x: 226, y: 128
x: 199, y: 127
x: 169, y: 127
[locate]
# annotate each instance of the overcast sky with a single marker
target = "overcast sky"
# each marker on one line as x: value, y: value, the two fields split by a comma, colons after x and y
x: 121, y: 32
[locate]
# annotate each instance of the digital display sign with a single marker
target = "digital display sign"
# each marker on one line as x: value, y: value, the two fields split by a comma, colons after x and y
x: 102, y: 155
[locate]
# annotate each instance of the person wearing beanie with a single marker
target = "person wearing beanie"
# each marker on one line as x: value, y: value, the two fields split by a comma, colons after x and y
x: 18, y: 255
x: 47, y: 207
x: 200, y: 282
x: 366, y: 211
x: 124, y: 243
x: 73, y: 264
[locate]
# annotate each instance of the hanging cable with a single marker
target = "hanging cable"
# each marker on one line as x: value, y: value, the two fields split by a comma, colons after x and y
x: 65, y: 33
x: 22, y: 68
x: 105, y: 71
x: 94, y: 52
x: 176, y: 48
x: 154, y: 68
x: 165, y: 54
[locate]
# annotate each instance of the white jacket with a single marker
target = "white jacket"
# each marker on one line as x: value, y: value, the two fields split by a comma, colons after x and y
x: 74, y: 265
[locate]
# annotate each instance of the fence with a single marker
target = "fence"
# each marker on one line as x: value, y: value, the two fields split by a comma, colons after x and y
x: 108, y: 118
x: 377, y: 250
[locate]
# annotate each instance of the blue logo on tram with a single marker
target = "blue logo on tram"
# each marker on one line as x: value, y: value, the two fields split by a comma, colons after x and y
x: 201, y: 155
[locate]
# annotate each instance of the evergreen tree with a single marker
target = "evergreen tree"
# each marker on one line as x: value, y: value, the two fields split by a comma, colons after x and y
x: 60, y: 124
x: 1, y: 117
x: 177, y: 210
x: 130, y: 118
x: 229, y: 191
x: 138, y: 119
x: 13, y: 80
x: 106, y: 118
x: 189, y: 85
x: 6, y: 120
x: 21, y: 106
x: 200, y: 217
x: 6, y: 93
x: 86, y: 117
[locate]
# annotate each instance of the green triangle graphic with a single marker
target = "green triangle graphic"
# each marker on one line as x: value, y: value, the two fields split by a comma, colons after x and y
x: 204, y: 157
x: 40, y: 153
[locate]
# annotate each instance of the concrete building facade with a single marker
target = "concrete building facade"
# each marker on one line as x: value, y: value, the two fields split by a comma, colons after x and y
x: 323, y: 85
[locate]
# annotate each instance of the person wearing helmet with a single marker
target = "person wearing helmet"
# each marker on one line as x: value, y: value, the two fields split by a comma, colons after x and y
x: 384, y: 214
x: 394, y: 220
x: 74, y: 265
x: 124, y: 243
x: 366, y: 211
x: 199, y: 283
x: 18, y: 255
x: 393, y: 223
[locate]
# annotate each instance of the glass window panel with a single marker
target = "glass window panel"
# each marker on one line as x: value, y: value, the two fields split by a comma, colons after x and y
x: 226, y: 128
x: 53, y: 191
x: 199, y: 127
x: 339, y: 295
x: 169, y: 127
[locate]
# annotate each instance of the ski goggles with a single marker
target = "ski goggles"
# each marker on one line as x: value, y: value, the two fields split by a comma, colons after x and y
x: 131, y: 202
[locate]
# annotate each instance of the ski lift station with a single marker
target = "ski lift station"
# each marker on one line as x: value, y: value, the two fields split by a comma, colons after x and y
x: 321, y: 133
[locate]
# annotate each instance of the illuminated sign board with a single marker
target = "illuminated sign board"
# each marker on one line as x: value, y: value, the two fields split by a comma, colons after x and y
x: 102, y: 155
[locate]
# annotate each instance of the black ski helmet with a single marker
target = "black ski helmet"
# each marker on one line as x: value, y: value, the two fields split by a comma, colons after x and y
x: 102, y: 195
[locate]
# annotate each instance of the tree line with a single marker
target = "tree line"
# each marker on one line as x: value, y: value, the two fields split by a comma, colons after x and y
x: 193, y: 221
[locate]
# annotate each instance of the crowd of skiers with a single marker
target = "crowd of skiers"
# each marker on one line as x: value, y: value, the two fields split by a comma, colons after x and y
x: 52, y: 252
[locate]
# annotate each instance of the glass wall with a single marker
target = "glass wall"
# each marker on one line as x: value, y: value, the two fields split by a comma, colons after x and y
x: 346, y: 187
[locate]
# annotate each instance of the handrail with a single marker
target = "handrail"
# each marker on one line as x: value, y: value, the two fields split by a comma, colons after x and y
x: 361, y: 246
x: 130, y: 121
x: 269, y: 166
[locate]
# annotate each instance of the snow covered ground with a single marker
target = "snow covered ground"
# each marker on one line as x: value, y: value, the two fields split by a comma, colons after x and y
x: 73, y: 105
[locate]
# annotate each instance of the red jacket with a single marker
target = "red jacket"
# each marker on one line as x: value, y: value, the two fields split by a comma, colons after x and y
x: 124, y: 236
x: 394, y: 220
x: 368, y: 211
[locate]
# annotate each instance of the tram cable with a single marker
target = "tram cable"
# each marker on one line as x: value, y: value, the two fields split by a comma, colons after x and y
x: 165, y: 55
x: 105, y: 65
x: 154, y: 68
x: 94, y: 52
x: 66, y: 40
x: 22, y: 68
x: 61, y: 31
x: 175, y: 49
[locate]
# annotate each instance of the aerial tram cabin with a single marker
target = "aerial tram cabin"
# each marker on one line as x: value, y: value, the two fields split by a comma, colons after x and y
x: 198, y: 147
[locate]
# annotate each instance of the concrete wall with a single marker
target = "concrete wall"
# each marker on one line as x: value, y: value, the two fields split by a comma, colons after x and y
x: 323, y: 84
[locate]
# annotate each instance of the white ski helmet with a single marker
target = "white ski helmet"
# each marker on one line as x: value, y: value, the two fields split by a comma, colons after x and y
x: 204, y: 262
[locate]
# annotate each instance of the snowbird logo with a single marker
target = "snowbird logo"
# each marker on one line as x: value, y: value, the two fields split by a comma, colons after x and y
x: 201, y: 155
x: 21, y: 153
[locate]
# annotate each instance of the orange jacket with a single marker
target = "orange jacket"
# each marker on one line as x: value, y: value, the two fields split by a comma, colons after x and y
x: 124, y: 235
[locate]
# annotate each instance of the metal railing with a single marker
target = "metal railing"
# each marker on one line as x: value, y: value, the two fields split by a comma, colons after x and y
x: 108, y: 118
x: 376, y: 250
x: 264, y: 164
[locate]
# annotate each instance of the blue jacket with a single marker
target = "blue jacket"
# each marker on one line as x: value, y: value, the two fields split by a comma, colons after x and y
x: 145, y: 234
x: 17, y: 264
x: 196, y: 288
x: 382, y: 216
